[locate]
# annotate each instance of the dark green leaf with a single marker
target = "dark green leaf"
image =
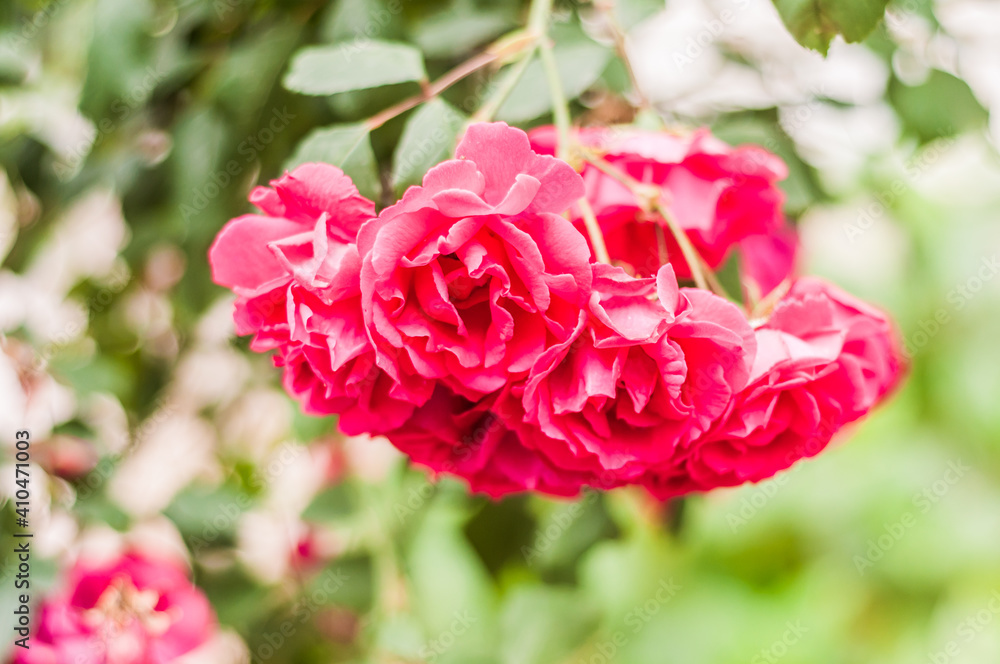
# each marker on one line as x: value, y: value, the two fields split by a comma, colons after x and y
x: 814, y: 23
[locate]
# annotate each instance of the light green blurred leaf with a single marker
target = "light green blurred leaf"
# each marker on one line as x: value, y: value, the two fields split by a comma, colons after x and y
x: 119, y: 57
x: 450, y: 583
x: 428, y: 139
x: 632, y: 12
x: 541, y: 625
x: 363, y: 20
x: 330, y: 504
x: 940, y: 106
x: 347, y: 147
x: 355, y: 65
x: 814, y: 23
x: 459, y: 27
x: 580, y: 62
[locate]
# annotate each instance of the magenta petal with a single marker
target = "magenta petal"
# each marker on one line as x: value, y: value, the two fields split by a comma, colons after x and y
x: 240, y: 257
x: 767, y: 260
x: 502, y: 153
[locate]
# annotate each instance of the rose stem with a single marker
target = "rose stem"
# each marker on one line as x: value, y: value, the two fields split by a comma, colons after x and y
x: 503, y: 90
x: 607, y: 9
x: 500, y: 49
x: 644, y: 191
x: 540, y: 10
x: 594, y: 231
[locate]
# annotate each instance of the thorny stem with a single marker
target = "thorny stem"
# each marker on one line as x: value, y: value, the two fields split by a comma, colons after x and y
x: 499, y: 50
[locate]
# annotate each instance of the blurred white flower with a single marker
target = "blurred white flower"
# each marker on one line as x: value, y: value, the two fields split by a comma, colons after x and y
x: 209, y: 376
x: 216, y: 325
x: 861, y: 251
x: 265, y: 542
x: 85, y: 242
x: 225, y: 647
x: 839, y: 140
x: 164, y: 461
x: 253, y: 423
x: 682, y: 61
x: 51, y: 116
x: 31, y: 398
x: 370, y: 458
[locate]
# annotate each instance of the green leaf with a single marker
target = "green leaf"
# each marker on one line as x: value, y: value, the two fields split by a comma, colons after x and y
x: 580, y: 62
x: 632, y: 12
x: 119, y: 58
x: 541, y: 625
x: 450, y: 583
x: 354, y: 65
x: 459, y: 28
x: 814, y: 23
x: 347, y: 147
x: 940, y: 106
x: 330, y: 504
x: 428, y: 139
x: 363, y: 20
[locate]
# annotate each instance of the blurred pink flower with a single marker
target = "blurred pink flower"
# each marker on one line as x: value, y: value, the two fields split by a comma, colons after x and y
x: 133, y: 610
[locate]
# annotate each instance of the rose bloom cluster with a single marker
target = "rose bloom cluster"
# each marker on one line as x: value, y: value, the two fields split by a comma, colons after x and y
x: 471, y: 324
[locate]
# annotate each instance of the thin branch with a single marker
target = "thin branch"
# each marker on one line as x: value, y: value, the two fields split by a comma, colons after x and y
x: 560, y: 107
x: 607, y: 9
x: 429, y: 91
x: 702, y: 275
x: 690, y: 253
x: 594, y: 231
x: 513, y: 74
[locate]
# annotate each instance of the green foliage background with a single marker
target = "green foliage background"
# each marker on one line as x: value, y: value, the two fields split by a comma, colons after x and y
x: 190, y: 103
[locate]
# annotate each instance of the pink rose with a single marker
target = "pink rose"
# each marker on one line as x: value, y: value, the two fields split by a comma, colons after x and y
x: 824, y: 359
x: 470, y: 277
x: 450, y: 434
x: 296, y: 275
x: 133, y: 610
x: 723, y: 197
x: 647, y: 370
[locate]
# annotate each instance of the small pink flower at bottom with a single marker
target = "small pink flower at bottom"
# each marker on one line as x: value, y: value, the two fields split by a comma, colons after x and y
x: 132, y: 610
